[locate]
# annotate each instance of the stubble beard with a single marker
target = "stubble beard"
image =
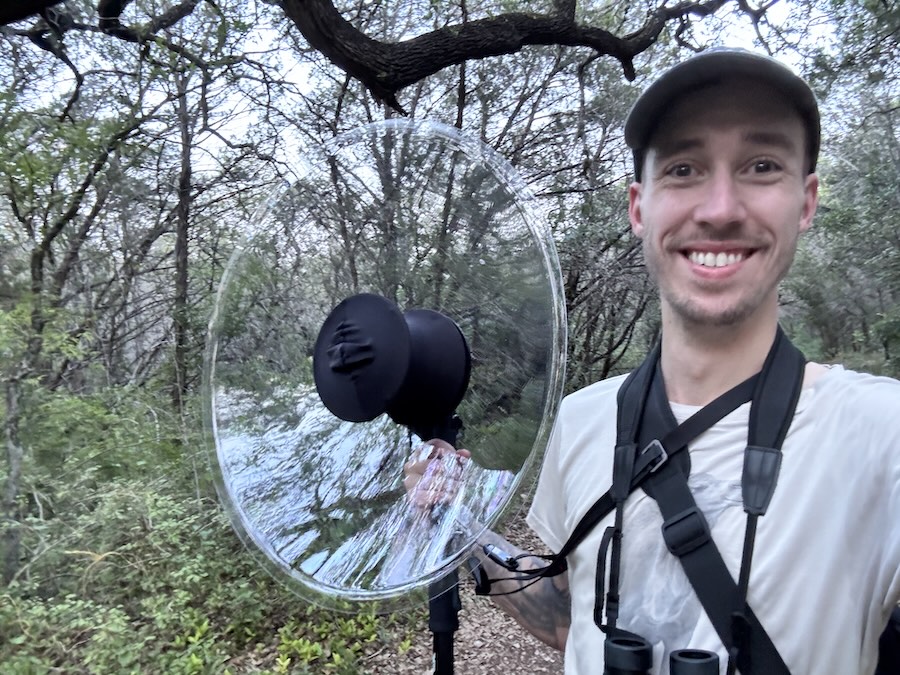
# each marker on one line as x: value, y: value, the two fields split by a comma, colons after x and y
x: 693, y: 314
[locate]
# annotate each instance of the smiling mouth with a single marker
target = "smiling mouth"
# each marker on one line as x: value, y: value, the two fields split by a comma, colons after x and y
x: 720, y: 259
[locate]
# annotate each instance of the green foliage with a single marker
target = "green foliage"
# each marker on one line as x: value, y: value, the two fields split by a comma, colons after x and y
x: 844, y: 290
x: 112, y: 432
x: 103, y: 637
x: 329, y: 645
x: 505, y: 441
x: 153, y: 580
x: 16, y: 334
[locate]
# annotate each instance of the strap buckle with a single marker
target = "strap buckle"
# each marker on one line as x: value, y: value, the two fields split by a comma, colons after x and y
x: 661, y: 457
x: 686, y: 531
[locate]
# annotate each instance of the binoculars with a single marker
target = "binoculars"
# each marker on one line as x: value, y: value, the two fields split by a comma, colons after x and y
x: 634, y: 656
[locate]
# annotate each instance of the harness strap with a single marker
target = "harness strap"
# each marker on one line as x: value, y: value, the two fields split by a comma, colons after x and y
x: 662, y: 467
x: 776, y: 397
x: 655, y: 455
x: 650, y: 459
x: 687, y: 536
x: 686, y: 531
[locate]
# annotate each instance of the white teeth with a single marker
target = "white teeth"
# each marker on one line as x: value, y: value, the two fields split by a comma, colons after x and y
x: 715, y: 259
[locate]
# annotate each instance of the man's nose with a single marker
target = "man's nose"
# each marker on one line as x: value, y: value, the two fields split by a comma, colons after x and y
x: 721, y: 202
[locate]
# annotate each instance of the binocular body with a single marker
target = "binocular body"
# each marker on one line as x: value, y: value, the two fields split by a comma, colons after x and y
x: 633, y: 655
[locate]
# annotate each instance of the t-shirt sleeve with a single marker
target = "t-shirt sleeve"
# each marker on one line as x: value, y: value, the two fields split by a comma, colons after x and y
x: 547, y: 515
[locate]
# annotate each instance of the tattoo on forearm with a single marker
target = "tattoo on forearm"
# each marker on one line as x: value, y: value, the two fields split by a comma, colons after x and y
x: 543, y: 608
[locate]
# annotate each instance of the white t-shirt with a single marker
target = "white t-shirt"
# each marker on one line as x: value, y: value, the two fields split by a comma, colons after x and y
x: 826, y: 564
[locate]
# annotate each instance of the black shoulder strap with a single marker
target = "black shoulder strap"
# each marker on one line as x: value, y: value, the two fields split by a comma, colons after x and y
x: 632, y: 396
x: 889, y: 646
x: 638, y: 383
x: 631, y: 399
x: 687, y: 536
x: 686, y: 531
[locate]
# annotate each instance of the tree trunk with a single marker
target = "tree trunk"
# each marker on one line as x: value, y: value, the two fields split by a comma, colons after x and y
x: 11, y: 533
x: 180, y: 307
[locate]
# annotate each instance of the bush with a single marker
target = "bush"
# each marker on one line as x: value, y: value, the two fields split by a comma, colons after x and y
x: 153, y: 580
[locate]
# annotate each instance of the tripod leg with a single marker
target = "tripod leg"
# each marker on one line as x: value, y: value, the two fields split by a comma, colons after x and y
x: 443, y: 620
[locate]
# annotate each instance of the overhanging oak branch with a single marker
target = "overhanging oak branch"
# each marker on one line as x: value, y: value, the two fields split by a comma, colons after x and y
x: 385, y: 68
x: 16, y: 10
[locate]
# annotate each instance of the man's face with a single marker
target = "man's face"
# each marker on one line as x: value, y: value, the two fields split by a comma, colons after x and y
x: 724, y: 197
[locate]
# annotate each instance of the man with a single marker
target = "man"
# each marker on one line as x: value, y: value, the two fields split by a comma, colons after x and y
x: 725, y: 147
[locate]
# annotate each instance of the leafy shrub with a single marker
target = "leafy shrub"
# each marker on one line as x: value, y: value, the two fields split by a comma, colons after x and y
x: 151, y: 579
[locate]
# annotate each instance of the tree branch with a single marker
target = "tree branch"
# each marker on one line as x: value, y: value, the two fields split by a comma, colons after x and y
x: 110, y: 11
x: 16, y: 10
x: 385, y: 68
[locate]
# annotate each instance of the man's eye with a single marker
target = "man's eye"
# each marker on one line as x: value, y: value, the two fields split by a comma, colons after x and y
x: 680, y: 170
x: 765, y: 166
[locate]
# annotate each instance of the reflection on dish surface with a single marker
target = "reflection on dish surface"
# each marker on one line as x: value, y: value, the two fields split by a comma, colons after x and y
x: 424, y: 217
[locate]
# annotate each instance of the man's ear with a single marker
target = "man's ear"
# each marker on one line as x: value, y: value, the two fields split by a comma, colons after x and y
x: 810, y: 201
x: 635, y: 191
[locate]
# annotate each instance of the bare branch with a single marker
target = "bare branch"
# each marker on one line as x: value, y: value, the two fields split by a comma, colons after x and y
x: 47, y: 33
x: 385, y: 68
x: 111, y: 10
x: 16, y: 10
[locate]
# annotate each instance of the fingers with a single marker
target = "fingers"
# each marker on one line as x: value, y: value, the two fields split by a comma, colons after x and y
x: 434, y: 449
x: 410, y: 481
x: 440, y: 445
x: 432, y: 476
x: 441, y: 449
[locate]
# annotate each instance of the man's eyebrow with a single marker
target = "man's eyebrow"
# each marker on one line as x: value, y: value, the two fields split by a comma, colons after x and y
x: 763, y: 137
x: 773, y: 138
x: 677, y: 145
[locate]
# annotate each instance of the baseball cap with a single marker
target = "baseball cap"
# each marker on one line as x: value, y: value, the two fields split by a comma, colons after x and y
x: 710, y: 67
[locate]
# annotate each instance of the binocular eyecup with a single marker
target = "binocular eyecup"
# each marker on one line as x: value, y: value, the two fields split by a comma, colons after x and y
x: 633, y: 655
x: 627, y: 656
x: 693, y: 662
